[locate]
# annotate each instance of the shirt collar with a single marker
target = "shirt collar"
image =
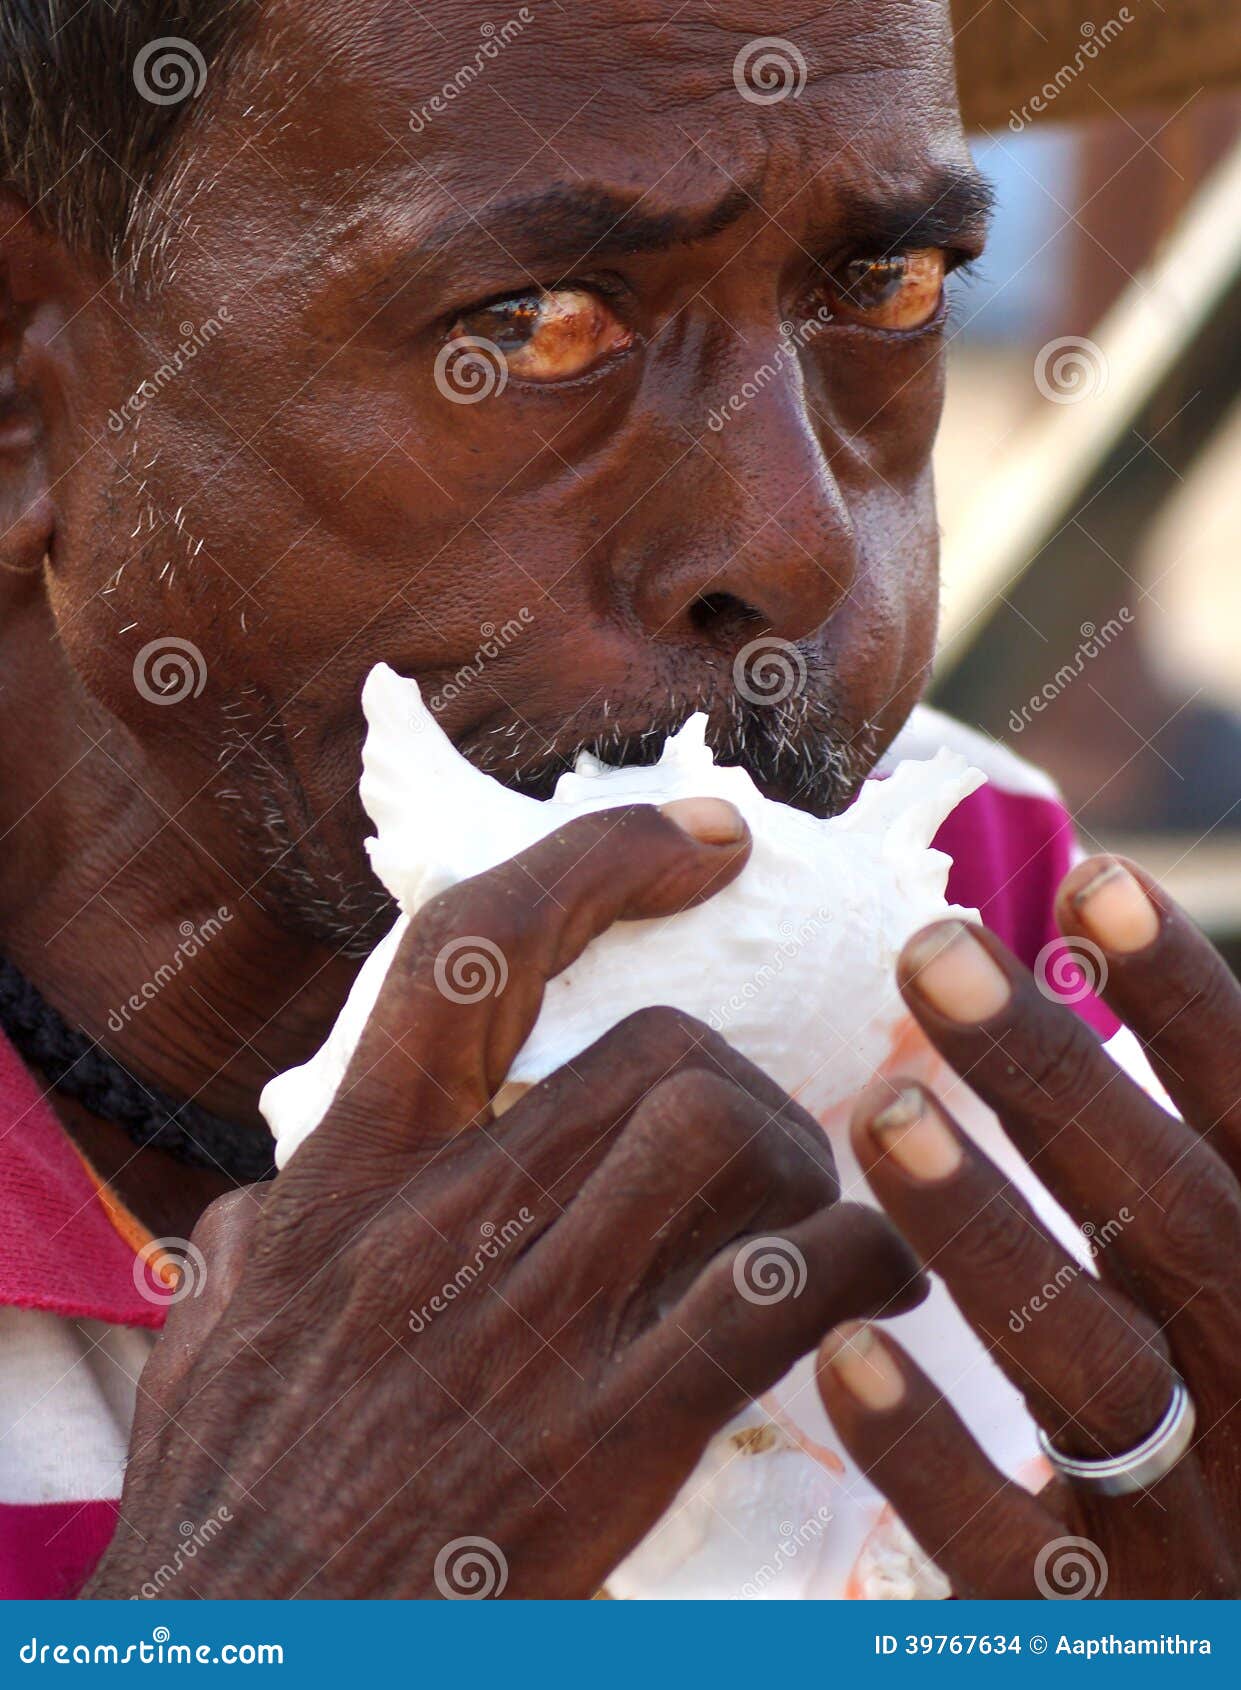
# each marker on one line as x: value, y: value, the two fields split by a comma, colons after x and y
x: 67, y: 1244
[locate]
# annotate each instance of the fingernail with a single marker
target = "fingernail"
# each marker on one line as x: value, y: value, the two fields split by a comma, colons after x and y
x: 1117, y: 910
x: 953, y: 970
x: 711, y: 821
x: 916, y: 1136
x: 864, y: 1366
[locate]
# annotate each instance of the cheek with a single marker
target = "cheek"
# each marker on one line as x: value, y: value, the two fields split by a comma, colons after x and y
x: 884, y: 641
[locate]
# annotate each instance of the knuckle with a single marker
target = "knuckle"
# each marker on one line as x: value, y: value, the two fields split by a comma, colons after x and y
x: 661, y: 1035
x: 998, y: 1247
x: 1198, y: 1222
x: 1054, y: 1069
x: 1130, y: 1381
x: 225, y: 1217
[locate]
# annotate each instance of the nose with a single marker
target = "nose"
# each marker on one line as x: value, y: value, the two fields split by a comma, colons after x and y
x: 756, y: 532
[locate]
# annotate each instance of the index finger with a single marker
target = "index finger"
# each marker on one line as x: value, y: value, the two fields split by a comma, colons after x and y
x: 466, y: 984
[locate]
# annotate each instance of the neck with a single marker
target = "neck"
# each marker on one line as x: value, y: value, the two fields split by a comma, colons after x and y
x: 120, y: 909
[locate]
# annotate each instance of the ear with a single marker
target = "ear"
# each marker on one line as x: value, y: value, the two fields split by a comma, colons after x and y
x: 33, y: 271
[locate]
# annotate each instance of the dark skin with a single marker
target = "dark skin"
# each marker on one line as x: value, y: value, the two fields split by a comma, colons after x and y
x: 348, y: 511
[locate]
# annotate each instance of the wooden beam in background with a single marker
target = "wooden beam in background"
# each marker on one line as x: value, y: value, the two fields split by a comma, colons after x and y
x: 1085, y: 53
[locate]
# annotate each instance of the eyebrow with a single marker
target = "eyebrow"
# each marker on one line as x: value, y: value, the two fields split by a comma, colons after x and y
x: 593, y: 223
x: 952, y: 208
x: 564, y: 228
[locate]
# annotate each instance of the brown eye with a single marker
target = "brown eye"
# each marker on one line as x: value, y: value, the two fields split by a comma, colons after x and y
x: 547, y: 337
x: 902, y: 291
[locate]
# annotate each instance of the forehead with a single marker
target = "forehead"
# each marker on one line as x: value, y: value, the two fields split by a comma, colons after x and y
x: 348, y: 110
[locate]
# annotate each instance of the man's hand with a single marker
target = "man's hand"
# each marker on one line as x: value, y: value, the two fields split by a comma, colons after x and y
x: 1097, y: 1358
x: 446, y: 1353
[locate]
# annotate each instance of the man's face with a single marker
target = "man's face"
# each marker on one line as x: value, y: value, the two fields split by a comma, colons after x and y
x: 699, y: 413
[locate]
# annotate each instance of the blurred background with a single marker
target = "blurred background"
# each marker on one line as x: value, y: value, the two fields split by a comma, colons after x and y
x: 1090, y: 461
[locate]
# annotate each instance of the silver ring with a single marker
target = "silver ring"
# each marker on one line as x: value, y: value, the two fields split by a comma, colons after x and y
x: 1141, y: 1467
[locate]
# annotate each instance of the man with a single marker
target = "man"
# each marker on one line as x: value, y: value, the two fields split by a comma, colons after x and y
x: 257, y: 262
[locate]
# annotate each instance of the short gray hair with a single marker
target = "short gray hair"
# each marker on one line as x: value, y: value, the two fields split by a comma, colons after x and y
x: 78, y: 140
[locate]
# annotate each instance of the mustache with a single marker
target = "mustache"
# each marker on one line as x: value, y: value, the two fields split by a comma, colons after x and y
x: 795, y: 745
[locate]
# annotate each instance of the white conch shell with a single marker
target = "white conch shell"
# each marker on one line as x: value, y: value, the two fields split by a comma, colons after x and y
x: 792, y: 962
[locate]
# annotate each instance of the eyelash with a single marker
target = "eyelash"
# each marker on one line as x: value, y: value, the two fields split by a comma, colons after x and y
x: 618, y: 293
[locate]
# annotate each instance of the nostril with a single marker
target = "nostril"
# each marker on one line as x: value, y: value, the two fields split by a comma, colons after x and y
x: 723, y: 616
